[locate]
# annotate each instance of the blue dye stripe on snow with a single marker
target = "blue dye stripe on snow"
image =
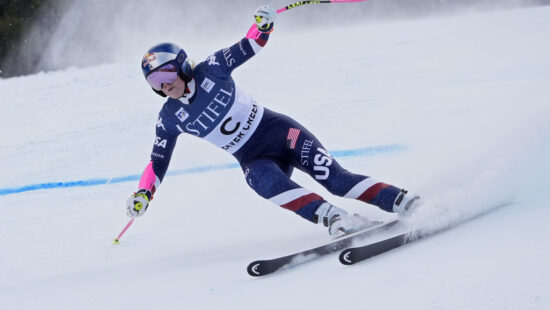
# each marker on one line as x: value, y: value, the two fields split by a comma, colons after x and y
x: 363, y: 152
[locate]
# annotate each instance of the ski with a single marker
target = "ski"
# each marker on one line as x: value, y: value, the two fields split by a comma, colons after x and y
x: 264, y: 267
x: 354, y: 255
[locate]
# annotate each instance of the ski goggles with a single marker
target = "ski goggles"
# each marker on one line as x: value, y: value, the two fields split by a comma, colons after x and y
x: 166, y: 74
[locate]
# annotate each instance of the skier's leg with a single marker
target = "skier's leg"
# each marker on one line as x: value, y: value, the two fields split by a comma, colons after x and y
x: 271, y: 180
x: 341, y: 182
x: 344, y: 183
x: 310, y: 156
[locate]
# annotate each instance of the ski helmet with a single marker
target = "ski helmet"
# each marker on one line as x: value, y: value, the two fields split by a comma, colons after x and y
x: 165, y: 53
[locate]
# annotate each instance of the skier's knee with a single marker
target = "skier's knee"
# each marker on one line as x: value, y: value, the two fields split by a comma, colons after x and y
x: 264, y: 179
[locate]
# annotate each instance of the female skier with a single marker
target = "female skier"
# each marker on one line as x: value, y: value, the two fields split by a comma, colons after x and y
x: 205, y: 101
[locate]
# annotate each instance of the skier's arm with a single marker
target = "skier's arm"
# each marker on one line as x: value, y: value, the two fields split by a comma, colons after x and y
x: 224, y: 61
x: 155, y: 171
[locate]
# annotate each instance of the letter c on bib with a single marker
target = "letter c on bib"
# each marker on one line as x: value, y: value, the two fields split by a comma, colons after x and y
x: 229, y: 132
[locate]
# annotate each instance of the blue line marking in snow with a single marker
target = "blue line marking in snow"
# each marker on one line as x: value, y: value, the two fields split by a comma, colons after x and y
x: 362, y: 152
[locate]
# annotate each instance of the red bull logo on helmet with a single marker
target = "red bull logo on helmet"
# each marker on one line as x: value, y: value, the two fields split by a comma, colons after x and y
x: 147, y: 59
x: 153, y: 60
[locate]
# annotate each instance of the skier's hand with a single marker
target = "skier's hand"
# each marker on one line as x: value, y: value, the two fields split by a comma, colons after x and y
x: 137, y: 203
x: 264, y: 17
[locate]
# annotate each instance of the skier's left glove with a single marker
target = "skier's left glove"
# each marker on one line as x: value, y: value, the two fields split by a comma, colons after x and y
x: 265, y: 17
x: 137, y: 203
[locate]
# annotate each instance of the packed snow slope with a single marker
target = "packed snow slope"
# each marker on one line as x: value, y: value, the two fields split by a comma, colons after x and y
x: 454, y: 108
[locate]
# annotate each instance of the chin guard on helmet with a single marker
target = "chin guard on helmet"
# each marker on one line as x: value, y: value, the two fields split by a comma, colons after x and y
x: 159, y: 92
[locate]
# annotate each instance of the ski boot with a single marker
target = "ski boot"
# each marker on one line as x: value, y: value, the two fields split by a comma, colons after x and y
x: 338, y: 221
x: 405, y: 203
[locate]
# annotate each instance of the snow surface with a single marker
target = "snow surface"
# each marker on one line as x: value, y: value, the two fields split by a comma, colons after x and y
x: 454, y: 108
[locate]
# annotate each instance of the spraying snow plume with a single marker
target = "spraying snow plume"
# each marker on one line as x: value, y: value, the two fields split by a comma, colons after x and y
x: 491, y: 181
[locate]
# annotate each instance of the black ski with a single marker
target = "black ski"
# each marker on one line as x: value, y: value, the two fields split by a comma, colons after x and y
x: 269, y: 266
x: 354, y: 255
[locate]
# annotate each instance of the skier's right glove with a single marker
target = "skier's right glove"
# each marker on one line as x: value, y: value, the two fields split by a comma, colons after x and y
x: 265, y: 16
x: 137, y: 203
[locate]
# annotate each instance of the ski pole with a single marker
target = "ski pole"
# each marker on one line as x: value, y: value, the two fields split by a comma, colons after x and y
x: 300, y: 3
x: 117, y: 239
x: 253, y: 33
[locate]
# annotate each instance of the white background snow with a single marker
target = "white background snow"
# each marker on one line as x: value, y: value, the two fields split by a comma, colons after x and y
x: 465, y: 95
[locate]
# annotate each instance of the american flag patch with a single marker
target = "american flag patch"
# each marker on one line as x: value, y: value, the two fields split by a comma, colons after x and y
x: 292, y: 138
